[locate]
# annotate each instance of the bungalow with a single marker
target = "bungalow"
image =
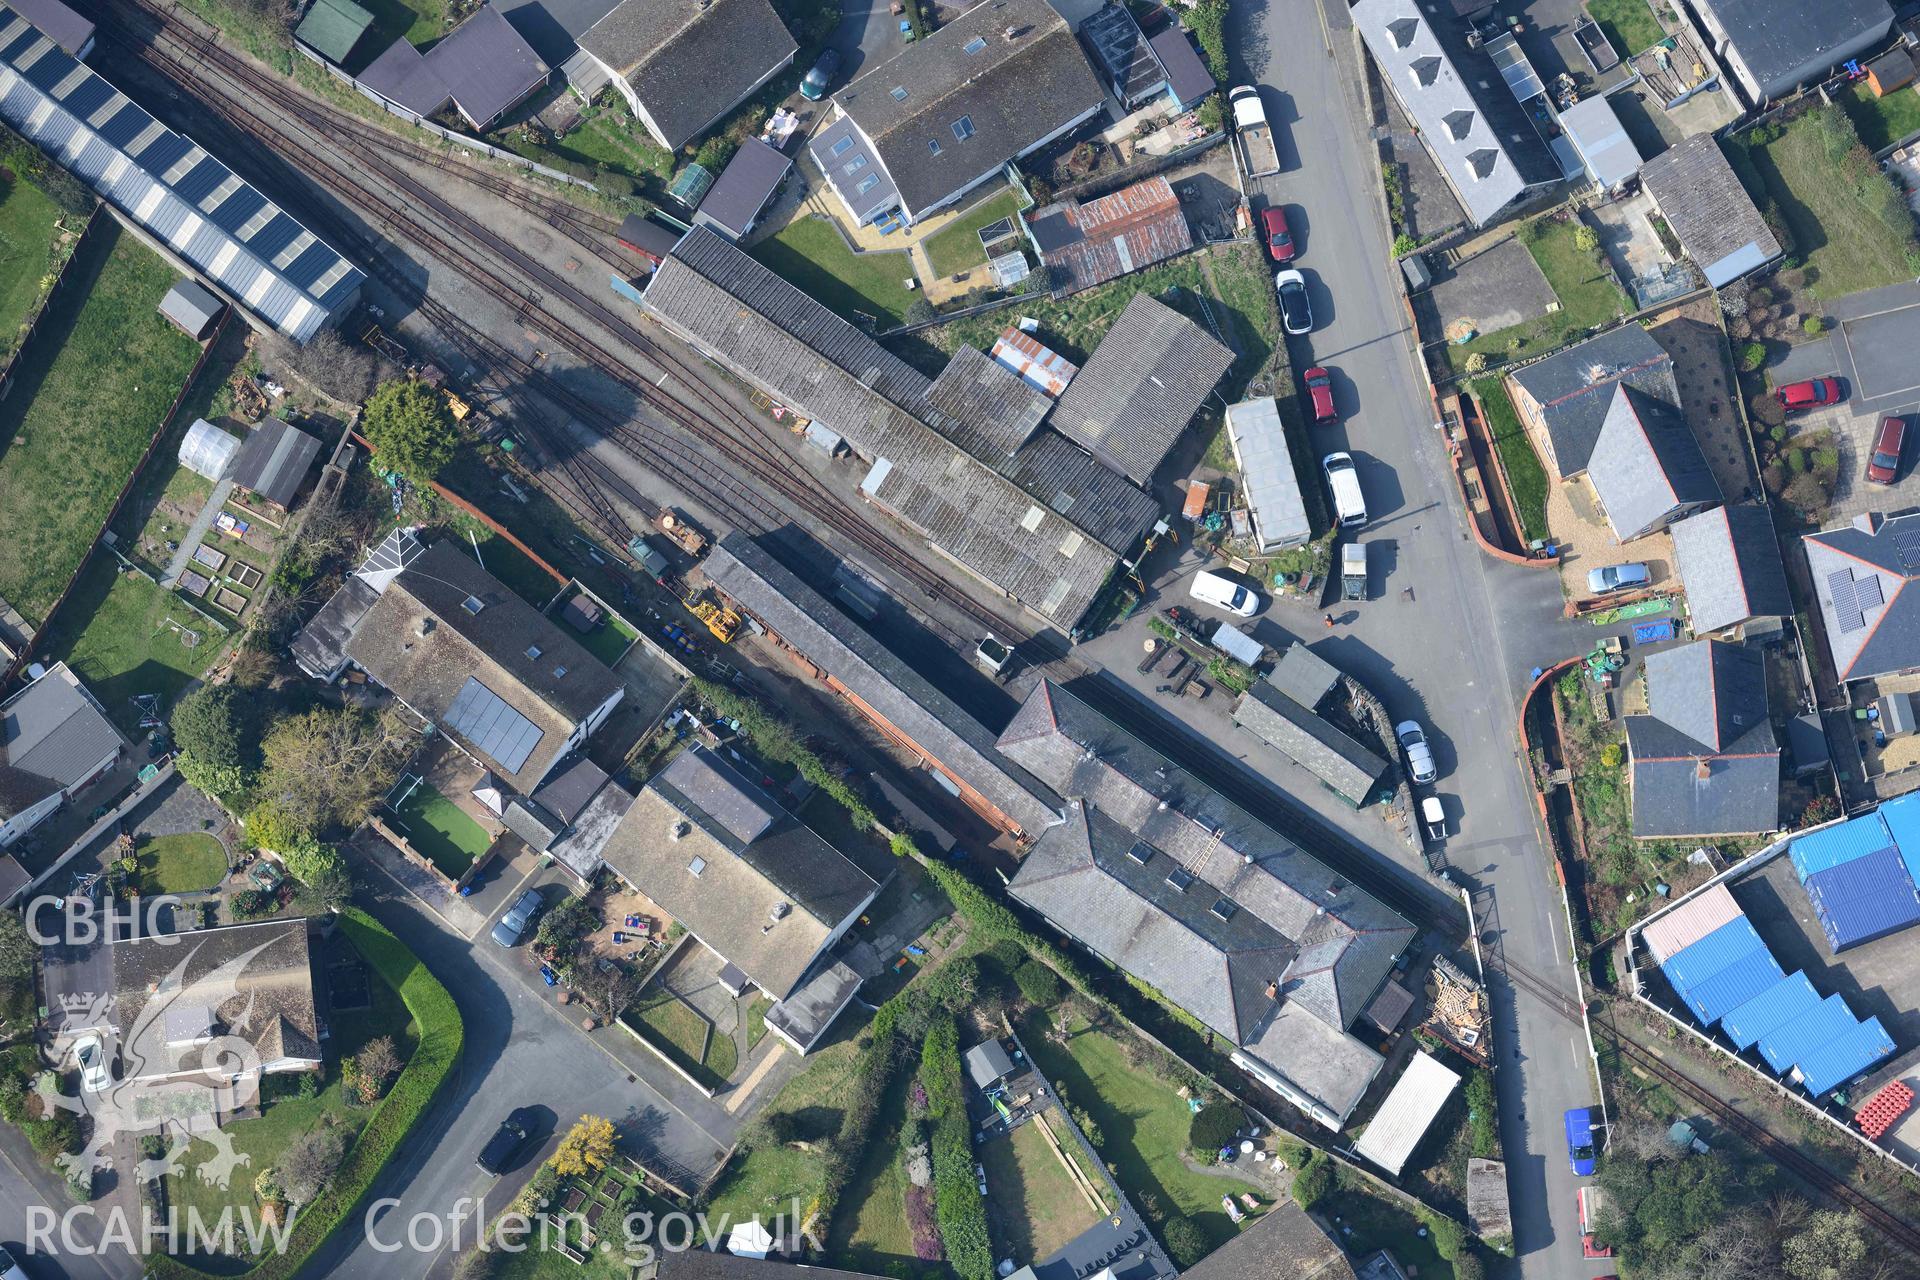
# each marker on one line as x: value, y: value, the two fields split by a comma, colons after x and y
x: 55, y: 738
x: 683, y: 64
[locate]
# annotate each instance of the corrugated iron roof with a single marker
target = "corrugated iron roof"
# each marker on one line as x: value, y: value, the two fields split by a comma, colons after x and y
x: 1784, y: 1047
x: 1841, y: 1059
x: 1831, y: 846
x: 1695, y: 964
x: 1409, y: 1110
x: 1688, y: 922
x: 1734, y: 985
x: 1791, y: 997
x: 1902, y: 817
x: 1864, y: 898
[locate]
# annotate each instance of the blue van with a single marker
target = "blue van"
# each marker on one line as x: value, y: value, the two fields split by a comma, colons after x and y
x: 1580, y: 1152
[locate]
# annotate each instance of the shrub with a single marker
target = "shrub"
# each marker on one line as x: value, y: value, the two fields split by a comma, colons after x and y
x: 1449, y: 1237
x: 1312, y: 1180
x: 1186, y: 1242
x: 958, y: 1207
x: 920, y: 311
x: 1404, y: 244
x: 562, y: 928
x: 1586, y: 239
x: 1610, y: 755
x: 217, y: 729
x: 1469, y: 1267
x: 1814, y: 326
x: 613, y: 183
x: 1213, y: 1127
x: 1482, y: 1115
x: 1039, y: 985
x: 1752, y: 356
x: 1826, y: 460
x: 1476, y: 362
x: 587, y: 1148
x: 1797, y: 461
x: 251, y: 904
x: 1765, y: 410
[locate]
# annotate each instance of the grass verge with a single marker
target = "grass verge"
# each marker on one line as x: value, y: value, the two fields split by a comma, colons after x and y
x: 1526, y: 477
x: 809, y: 253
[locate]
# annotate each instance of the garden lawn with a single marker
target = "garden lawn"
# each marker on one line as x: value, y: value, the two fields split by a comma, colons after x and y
x: 676, y: 1028
x: 115, y: 633
x: 27, y: 218
x: 870, y: 1231
x: 606, y: 642
x: 1143, y: 1125
x: 1370, y: 1221
x: 442, y: 831
x: 1037, y: 1205
x: 1518, y: 458
x: 88, y: 396
x: 1588, y: 294
x: 419, y: 22
x: 768, y: 1176
x: 757, y: 1019
x: 1629, y: 24
x: 956, y: 247
x: 185, y: 863
x: 810, y: 254
x: 1881, y: 122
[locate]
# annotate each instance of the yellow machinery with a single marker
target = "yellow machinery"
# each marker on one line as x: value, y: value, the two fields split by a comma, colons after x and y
x: 723, y: 622
x: 456, y: 406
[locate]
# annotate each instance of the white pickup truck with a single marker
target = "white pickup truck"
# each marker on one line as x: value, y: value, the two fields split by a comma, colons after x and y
x: 1258, y: 156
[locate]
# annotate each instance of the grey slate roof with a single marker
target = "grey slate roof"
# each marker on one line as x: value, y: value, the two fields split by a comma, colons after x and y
x: 1705, y: 760
x: 1647, y: 464
x: 321, y: 646
x: 1729, y: 562
x: 486, y: 65
x: 52, y: 734
x: 800, y: 353
x: 61, y: 24
x: 1303, y: 676
x: 571, y: 786
x: 1141, y: 387
x: 530, y: 820
x: 1345, y: 766
x: 1863, y: 576
x: 995, y: 409
x: 1776, y: 37
x: 273, y: 460
x: 192, y: 306
x: 828, y: 638
x: 690, y: 60
x: 848, y: 161
x: 768, y: 893
x: 1284, y: 1244
x: 744, y: 186
x: 1703, y: 201
x: 1014, y: 91
x: 1575, y: 388
x: 1104, y: 239
x: 1291, y: 920
x: 1187, y: 76
x: 402, y: 75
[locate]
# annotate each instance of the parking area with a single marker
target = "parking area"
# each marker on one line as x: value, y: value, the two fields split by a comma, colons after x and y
x: 1493, y: 290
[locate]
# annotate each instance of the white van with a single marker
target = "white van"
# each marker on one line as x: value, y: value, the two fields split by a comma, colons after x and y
x: 1349, y: 508
x: 1224, y: 593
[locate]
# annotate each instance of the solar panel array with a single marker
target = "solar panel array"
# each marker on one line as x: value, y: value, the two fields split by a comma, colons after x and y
x: 1852, y: 597
x: 493, y: 728
x: 168, y: 185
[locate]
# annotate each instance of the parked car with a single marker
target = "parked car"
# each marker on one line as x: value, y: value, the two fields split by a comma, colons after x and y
x: 9, y: 1269
x: 1433, y: 819
x: 1617, y: 577
x: 1413, y: 741
x: 1580, y: 1150
x: 96, y: 1069
x: 1884, y: 464
x: 1810, y: 394
x: 1224, y: 593
x: 1273, y: 220
x: 1320, y: 394
x: 814, y: 86
x: 519, y: 919
x: 506, y: 1144
x: 1295, y: 310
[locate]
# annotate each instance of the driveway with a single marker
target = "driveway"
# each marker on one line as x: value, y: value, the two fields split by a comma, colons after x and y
x: 1460, y: 654
x: 867, y: 36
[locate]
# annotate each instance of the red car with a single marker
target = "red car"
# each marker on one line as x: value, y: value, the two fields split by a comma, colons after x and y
x: 1884, y: 464
x: 1810, y: 394
x: 1320, y: 392
x: 1273, y: 220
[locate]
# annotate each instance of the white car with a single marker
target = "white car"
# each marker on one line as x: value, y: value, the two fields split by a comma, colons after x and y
x: 1295, y: 309
x: 1413, y: 741
x: 96, y: 1072
x: 1224, y: 593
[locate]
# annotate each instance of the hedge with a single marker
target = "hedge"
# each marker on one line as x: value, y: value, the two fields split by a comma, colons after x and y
x: 775, y: 738
x: 957, y: 1202
x: 441, y: 1037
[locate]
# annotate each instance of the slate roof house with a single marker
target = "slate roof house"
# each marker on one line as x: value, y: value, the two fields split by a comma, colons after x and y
x: 1282, y: 1244
x: 733, y: 203
x: 1162, y: 877
x: 1141, y: 387
x: 1701, y: 198
x: 947, y: 113
x: 1729, y: 563
x: 1704, y: 761
x: 1864, y: 577
x: 1772, y: 47
x: 1474, y: 129
x: 465, y: 654
x: 683, y: 64
x: 752, y: 882
x: 1104, y: 239
x: 483, y: 67
x: 55, y: 738
x: 898, y: 701
x: 1564, y: 399
x: 1647, y: 467
x: 988, y: 490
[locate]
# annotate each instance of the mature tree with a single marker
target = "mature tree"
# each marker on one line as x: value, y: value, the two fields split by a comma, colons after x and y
x: 17, y: 951
x: 587, y: 1147
x: 309, y: 860
x: 1186, y: 1242
x: 1312, y: 1180
x: 410, y: 429
x: 1213, y: 1127
x: 1830, y: 1246
x: 375, y: 1066
x: 608, y: 986
x: 1641, y: 1139
x: 1733, y: 1248
x: 344, y: 370
x: 310, y: 1161
x: 217, y: 729
x: 1039, y: 985
x: 329, y: 767
x: 563, y: 928
x: 331, y: 886
x: 1469, y: 1267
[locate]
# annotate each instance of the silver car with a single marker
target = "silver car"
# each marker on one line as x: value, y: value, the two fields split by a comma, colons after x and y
x: 1617, y: 577
x: 1413, y: 741
x: 513, y: 926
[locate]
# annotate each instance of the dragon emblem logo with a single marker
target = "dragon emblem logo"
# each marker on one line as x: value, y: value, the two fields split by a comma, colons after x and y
x: 186, y: 1058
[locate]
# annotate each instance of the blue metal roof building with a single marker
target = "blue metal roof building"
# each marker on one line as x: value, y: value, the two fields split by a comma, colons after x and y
x: 1862, y: 899
x: 253, y: 250
x: 1785, y: 1046
x: 1902, y: 817
x: 1734, y: 985
x: 1790, y: 998
x: 1832, y: 846
x: 1844, y: 1057
x: 1723, y: 970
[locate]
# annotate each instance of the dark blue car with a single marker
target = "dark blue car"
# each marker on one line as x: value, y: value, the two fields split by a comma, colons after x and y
x: 1580, y: 1152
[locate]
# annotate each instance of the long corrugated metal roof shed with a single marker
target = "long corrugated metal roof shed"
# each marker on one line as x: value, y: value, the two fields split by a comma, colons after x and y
x: 1841, y: 1059
x: 1862, y: 899
x: 1695, y: 964
x: 1841, y: 843
x: 1734, y: 985
x: 1408, y: 1112
x: 1784, y: 1047
x: 1688, y: 922
x: 1902, y: 817
x: 1271, y: 485
x: 1791, y: 997
x: 203, y: 211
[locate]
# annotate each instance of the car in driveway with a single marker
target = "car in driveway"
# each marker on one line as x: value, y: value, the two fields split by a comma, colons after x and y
x: 1295, y: 310
x: 1320, y: 394
x: 820, y: 75
x: 1223, y: 592
x: 1413, y: 741
x: 1811, y: 394
x: 518, y: 920
x: 96, y: 1069
x: 1273, y: 221
x: 1580, y: 1148
x: 9, y: 1269
x: 1883, y: 464
x: 1617, y: 577
x: 506, y: 1144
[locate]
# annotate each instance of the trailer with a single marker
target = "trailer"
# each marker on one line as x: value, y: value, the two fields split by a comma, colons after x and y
x: 681, y: 530
x: 1252, y: 134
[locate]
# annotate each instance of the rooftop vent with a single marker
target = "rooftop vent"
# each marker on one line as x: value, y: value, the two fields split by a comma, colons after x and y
x: 473, y: 605
x: 681, y: 830
x: 423, y: 628
x: 1403, y: 30
x: 1703, y: 770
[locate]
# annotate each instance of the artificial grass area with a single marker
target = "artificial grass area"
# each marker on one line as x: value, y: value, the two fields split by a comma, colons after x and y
x: 441, y: 831
x: 27, y: 218
x: 186, y: 863
x: 810, y: 254
x: 1037, y: 1205
x: 676, y: 1028
x: 1629, y: 24
x: 88, y: 395
x: 608, y: 641
x: 956, y: 247
x: 1526, y: 476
